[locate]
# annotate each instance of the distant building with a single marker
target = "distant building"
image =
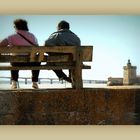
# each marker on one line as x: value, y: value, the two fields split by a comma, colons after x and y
x: 129, y: 76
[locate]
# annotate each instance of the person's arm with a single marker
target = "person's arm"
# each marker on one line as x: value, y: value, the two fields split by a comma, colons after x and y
x: 79, y: 42
x: 32, y: 38
x: 52, y: 40
x: 36, y: 41
x: 4, y: 42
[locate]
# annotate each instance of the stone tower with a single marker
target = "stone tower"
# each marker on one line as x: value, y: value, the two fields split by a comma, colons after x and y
x: 129, y: 74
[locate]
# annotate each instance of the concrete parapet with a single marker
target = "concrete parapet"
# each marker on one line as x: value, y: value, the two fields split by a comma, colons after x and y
x: 68, y: 106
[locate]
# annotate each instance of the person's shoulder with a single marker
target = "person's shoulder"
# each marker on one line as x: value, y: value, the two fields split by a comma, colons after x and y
x: 29, y: 33
x: 55, y: 33
x: 12, y: 35
x: 67, y: 31
x: 71, y: 32
x: 61, y: 31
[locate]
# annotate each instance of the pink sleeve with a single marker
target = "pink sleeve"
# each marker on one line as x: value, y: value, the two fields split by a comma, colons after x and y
x: 4, y: 42
x: 36, y: 41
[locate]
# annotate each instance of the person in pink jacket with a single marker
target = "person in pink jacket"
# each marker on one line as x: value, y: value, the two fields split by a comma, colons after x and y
x: 24, y: 38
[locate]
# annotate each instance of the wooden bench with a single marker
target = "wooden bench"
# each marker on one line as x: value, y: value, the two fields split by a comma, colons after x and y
x: 64, y: 57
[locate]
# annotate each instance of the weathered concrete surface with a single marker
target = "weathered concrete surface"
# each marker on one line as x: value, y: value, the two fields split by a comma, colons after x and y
x: 69, y: 106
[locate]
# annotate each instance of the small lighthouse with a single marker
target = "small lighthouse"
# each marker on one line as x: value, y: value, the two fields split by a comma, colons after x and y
x: 129, y: 74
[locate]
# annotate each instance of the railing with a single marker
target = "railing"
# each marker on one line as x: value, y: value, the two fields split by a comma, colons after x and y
x: 51, y: 80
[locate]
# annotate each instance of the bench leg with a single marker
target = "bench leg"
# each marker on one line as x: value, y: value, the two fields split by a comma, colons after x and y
x: 77, y: 71
x: 76, y: 77
x: 25, y: 80
x: 72, y: 74
x: 39, y: 81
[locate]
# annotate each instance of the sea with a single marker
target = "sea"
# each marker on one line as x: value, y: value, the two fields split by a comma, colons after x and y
x: 47, y: 83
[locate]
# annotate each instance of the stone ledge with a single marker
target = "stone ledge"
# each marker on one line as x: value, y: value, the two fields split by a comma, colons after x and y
x: 69, y: 106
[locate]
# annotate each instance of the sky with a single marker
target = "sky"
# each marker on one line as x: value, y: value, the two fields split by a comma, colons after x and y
x: 115, y: 39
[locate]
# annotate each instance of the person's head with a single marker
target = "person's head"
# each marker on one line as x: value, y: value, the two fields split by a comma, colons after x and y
x: 21, y: 24
x: 63, y: 25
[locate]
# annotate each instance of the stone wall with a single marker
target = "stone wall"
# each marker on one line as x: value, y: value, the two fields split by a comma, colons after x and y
x: 114, y: 81
x: 68, y: 106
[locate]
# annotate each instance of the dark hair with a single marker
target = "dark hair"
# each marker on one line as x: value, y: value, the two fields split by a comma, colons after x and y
x: 21, y: 24
x: 63, y: 25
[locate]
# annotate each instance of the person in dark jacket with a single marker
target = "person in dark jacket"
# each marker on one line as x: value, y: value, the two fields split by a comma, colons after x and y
x: 63, y: 37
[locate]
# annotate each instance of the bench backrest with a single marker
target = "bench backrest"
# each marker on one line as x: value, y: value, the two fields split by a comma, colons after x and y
x: 68, y: 57
x: 36, y: 54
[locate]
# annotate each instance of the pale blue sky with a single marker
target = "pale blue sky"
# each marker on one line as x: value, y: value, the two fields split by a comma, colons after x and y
x: 115, y: 39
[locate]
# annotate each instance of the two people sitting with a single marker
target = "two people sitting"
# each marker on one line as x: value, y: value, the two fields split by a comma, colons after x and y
x: 62, y: 37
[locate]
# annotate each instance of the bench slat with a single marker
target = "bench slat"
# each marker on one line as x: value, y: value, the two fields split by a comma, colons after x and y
x: 32, y: 50
x: 87, y: 53
x: 29, y: 49
x: 20, y: 58
x: 42, y: 67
